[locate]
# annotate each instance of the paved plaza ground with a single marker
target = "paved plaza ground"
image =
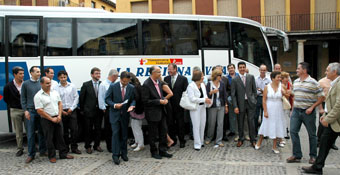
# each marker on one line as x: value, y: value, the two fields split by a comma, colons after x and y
x: 210, y: 160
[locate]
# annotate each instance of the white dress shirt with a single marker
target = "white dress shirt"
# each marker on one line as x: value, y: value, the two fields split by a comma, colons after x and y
x: 69, y: 95
x: 47, y: 102
x: 103, y: 87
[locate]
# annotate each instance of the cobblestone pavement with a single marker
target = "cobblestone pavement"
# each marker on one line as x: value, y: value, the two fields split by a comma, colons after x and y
x: 210, y: 160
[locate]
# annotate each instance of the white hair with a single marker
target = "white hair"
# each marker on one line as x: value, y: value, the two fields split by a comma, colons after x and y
x: 113, y: 72
x: 335, y: 67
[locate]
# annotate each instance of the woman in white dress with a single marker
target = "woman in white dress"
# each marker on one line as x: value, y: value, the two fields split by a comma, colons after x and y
x: 272, y: 125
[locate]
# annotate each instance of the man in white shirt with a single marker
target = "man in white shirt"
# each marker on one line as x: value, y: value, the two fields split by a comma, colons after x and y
x: 49, y: 72
x: 261, y: 81
x: 70, y: 98
x: 49, y: 107
x: 103, y: 87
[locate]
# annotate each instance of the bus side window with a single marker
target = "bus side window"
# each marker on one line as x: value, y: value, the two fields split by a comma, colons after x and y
x: 59, y: 37
x: 170, y: 37
x: 215, y: 34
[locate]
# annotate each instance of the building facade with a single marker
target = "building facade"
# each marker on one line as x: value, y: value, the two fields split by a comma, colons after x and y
x: 313, y: 26
x: 100, y: 4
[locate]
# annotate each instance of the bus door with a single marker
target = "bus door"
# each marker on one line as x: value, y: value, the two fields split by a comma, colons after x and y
x: 213, y: 57
x: 23, y: 47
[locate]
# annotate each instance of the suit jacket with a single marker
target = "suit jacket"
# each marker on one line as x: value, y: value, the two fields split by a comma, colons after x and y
x: 153, y: 110
x: 12, y: 95
x: 238, y: 92
x: 225, y: 80
x: 114, y: 96
x: 180, y: 86
x: 194, y: 93
x: 88, y: 100
x: 333, y: 107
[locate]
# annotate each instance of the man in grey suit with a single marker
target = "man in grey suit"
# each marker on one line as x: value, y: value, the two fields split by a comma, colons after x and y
x: 243, y: 93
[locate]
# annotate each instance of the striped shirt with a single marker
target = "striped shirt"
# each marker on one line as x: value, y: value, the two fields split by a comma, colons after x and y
x: 306, y: 92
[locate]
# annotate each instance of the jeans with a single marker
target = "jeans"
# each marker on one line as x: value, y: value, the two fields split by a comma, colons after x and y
x: 32, y: 125
x: 299, y: 116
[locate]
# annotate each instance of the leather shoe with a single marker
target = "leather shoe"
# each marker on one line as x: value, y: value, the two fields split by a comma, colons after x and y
x: 225, y: 138
x: 165, y: 154
x: 239, y: 143
x: 89, y: 151
x: 67, y: 157
x: 76, y: 151
x: 99, y: 149
x: 311, y: 160
x: 125, y: 158
x: 293, y: 159
x: 116, y: 160
x: 53, y: 160
x: 156, y: 156
x: 311, y: 170
x: 334, y: 147
x: 29, y: 159
x: 182, y: 145
x: 19, y: 153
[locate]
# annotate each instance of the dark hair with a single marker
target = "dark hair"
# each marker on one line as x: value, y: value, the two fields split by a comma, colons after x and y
x: 94, y: 70
x: 125, y: 74
x: 62, y: 72
x: 196, y: 76
x: 134, y: 80
x: 47, y: 70
x: 274, y: 74
x: 173, y: 65
x: 241, y: 63
x: 305, y: 66
x: 32, y: 68
x: 16, y: 69
x: 231, y: 64
x: 42, y: 79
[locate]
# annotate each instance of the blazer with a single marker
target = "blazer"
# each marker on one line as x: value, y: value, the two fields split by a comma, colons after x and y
x: 333, y: 107
x: 139, y: 108
x: 12, y: 95
x: 114, y: 96
x: 180, y: 86
x: 194, y: 93
x: 225, y: 80
x: 153, y: 109
x: 238, y: 92
x: 223, y: 96
x: 88, y: 100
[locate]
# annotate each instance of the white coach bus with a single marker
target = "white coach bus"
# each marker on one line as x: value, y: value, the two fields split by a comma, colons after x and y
x: 77, y: 39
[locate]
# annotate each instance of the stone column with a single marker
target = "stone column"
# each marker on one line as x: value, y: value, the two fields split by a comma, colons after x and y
x: 301, y: 57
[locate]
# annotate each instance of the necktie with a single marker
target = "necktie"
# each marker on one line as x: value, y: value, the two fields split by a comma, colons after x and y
x: 172, y: 81
x: 96, y: 88
x: 123, y: 92
x: 244, y: 80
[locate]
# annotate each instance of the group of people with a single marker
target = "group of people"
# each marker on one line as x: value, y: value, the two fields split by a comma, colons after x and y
x: 237, y: 104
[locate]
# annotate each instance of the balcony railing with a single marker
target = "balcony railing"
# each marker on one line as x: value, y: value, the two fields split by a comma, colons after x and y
x: 300, y: 22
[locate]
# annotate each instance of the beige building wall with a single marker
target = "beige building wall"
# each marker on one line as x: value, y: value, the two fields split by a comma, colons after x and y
x: 139, y: 7
x: 288, y: 60
x: 326, y: 19
x: 274, y: 10
x: 227, y: 7
x: 182, y: 6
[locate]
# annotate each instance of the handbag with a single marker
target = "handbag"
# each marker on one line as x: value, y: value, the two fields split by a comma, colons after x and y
x: 137, y: 116
x: 285, y: 103
x: 186, y: 103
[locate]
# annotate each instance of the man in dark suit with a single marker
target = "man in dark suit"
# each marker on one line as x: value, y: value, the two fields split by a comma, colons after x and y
x: 154, y: 110
x: 178, y: 84
x: 243, y: 93
x: 120, y: 98
x: 93, y: 116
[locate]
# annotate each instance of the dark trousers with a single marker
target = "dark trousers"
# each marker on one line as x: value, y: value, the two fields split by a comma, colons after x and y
x: 92, y: 128
x: 249, y: 111
x: 258, y: 112
x: 107, y: 129
x: 119, y: 137
x: 54, y: 138
x: 70, y: 125
x: 328, y: 138
x: 158, y: 129
x: 320, y: 127
x: 177, y: 128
